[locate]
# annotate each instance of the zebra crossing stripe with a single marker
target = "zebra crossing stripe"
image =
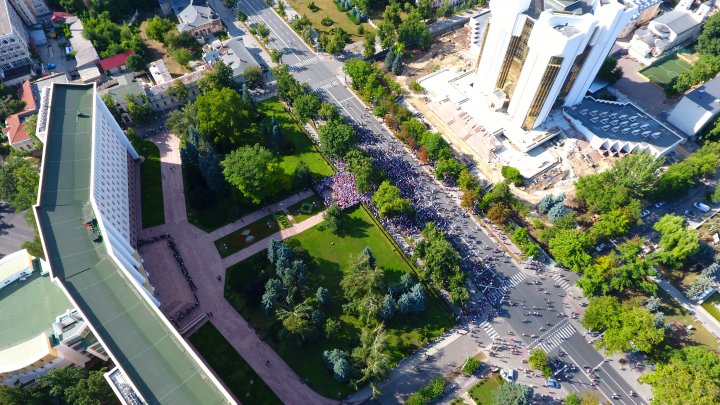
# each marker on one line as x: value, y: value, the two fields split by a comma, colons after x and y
x: 549, y: 344
x: 558, y: 279
x: 517, y: 279
x: 328, y: 85
x: 490, y: 330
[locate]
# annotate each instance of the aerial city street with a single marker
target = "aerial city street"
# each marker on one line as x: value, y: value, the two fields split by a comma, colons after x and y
x: 500, y: 202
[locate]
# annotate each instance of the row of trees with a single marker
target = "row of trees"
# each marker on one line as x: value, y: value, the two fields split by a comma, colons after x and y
x: 111, y: 38
x: 708, y: 65
x: 411, y: 32
x: 691, y: 377
x: 440, y: 264
x: 71, y: 385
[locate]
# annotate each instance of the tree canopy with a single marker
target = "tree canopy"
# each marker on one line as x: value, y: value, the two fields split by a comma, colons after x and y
x: 255, y: 172
x: 677, y: 241
x: 626, y: 327
x: 512, y: 394
x: 19, y: 179
x: 388, y: 201
x: 336, y: 137
x: 569, y: 247
x: 691, y: 377
x: 223, y: 117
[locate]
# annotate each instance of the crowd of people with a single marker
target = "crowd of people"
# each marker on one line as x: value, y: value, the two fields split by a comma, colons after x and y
x: 340, y: 188
x: 188, y: 308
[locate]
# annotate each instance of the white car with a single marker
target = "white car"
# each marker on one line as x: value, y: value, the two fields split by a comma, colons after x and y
x: 659, y: 204
x: 509, y: 374
x: 644, y: 213
x: 702, y: 207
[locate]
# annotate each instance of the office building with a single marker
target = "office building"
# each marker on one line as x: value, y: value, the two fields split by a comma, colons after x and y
x: 14, y: 52
x: 537, y: 54
x: 31, y: 10
x: 87, y: 223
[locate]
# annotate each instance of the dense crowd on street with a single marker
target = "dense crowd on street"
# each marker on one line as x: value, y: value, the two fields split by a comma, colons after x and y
x: 188, y: 308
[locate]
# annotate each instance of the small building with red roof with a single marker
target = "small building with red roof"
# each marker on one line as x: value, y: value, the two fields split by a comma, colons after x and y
x: 14, y: 129
x: 116, y: 63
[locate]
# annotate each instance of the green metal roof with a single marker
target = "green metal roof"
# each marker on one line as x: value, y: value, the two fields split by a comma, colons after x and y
x: 28, y: 308
x: 151, y: 356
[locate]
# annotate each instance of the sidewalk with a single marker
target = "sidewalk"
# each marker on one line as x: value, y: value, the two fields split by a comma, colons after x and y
x: 262, y: 244
x: 261, y: 213
x: 697, y: 311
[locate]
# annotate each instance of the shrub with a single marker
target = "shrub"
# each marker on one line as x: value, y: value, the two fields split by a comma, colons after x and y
x: 336, y: 361
x: 545, y: 204
x: 556, y: 212
x: 471, y: 366
x: 327, y: 21
x: 513, y: 175
x: 313, y: 7
x: 415, y: 86
x: 427, y: 394
x: 343, y: 5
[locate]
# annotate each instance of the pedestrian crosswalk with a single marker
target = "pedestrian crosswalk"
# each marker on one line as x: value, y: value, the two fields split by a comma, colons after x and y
x: 490, y: 330
x: 549, y: 343
x: 305, y: 62
x: 559, y: 280
x: 328, y: 85
x: 517, y: 279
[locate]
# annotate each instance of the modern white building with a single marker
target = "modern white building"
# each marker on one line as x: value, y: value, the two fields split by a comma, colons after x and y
x: 31, y: 10
x: 645, y: 10
x: 677, y: 27
x: 536, y: 54
x: 14, y: 50
x: 86, y: 217
x: 697, y: 108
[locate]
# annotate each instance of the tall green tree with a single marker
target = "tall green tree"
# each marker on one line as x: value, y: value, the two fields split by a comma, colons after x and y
x: 389, y: 202
x: 158, y: 26
x: 362, y: 167
x: 569, y: 247
x: 336, y: 137
x: 223, y: 118
x: 512, y: 394
x: 687, y: 378
x: 219, y: 78
x: 58, y: 380
x: 677, y: 241
x: 19, y: 179
x: 307, y: 106
x: 255, y: 172
x: 139, y: 108
x: 178, y: 91
x: 253, y: 77
x: 93, y: 389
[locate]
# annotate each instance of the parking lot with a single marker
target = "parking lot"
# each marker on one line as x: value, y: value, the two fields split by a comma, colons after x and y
x: 14, y: 230
x: 54, y: 52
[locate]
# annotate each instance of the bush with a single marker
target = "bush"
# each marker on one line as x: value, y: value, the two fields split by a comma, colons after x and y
x: 313, y: 7
x: 427, y: 394
x: 513, y: 175
x: 556, y: 212
x: 415, y: 86
x: 471, y: 366
x: 343, y: 5
x: 327, y: 21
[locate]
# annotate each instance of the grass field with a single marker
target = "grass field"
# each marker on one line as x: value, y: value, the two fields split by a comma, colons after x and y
x: 664, y: 72
x: 330, y: 258
x: 238, y: 240
x: 225, y: 210
x: 239, y: 377
x: 328, y: 9
x: 153, y: 211
x: 484, y: 391
x: 711, y: 305
x: 315, y: 201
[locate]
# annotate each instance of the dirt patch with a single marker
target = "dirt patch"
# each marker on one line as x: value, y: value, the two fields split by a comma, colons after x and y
x: 156, y: 50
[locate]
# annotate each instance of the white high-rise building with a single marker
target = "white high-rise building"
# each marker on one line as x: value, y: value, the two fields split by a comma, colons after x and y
x: 13, y: 39
x: 30, y: 10
x: 538, y: 54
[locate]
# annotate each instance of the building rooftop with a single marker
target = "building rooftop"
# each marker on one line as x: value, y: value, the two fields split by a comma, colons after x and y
x: 5, y: 27
x: 707, y: 96
x: 233, y: 53
x: 196, y: 14
x: 158, y: 363
x: 115, y: 60
x: 29, y: 308
x: 679, y: 21
x: 85, y: 52
x: 125, y: 84
x: 623, y: 123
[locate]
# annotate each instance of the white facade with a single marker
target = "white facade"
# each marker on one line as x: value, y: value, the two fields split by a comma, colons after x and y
x: 13, y: 39
x: 646, y: 10
x: 537, y: 59
x: 30, y: 10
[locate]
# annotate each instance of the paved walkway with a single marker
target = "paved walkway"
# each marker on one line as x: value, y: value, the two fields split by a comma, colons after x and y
x: 697, y: 311
x: 204, y: 265
x: 261, y: 213
x: 262, y: 244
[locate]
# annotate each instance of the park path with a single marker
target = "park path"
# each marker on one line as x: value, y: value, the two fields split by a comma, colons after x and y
x: 205, y: 266
x: 262, y: 244
x: 261, y: 213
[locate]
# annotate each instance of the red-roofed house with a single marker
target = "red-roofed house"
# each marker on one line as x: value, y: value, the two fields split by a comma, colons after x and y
x: 116, y: 63
x: 14, y: 124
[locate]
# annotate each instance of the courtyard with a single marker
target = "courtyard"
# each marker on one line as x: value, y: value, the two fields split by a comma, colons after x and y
x: 330, y: 257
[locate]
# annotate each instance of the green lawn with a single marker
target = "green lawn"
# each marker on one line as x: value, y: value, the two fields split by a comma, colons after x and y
x: 315, y: 201
x: 238, y: 240
x: 483, y: 393
x: 711, y: 305
x: 153, y: 211
x: 328, y: 9
x: 239, y: 377
x: 225, y: 210
x: 331, y: 257
x: 662, y: 73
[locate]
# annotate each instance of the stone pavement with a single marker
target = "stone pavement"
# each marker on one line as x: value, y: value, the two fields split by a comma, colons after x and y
x: 205, y: 265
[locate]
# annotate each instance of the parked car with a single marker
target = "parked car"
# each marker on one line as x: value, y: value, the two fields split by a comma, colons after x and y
x: 689, y: 214
x: 702, y: 207
x: 552, y: 384
x: 659, y: 204
x: 644, y: 213
x: 600, y: 247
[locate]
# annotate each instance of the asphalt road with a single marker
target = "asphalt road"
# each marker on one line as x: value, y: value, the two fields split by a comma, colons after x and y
x: 324, y: 74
